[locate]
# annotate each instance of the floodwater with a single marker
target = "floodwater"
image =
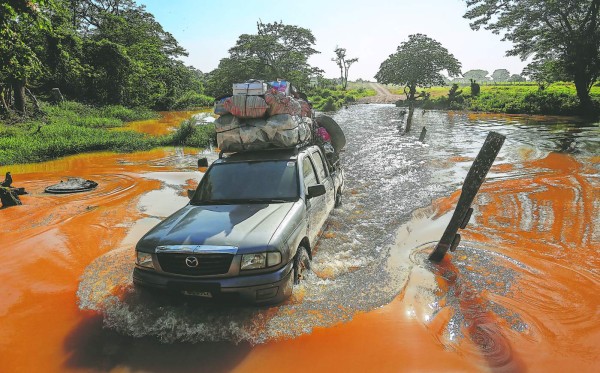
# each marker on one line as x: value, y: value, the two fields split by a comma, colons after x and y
x: 521, y: 292
x: 167, y: 122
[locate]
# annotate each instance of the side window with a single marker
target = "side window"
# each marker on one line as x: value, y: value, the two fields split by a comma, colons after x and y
x: 310, y: 178
x: 320, y: 166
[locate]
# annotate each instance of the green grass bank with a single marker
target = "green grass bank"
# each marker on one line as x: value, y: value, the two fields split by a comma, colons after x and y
x: 72, y: 128
x: 511, y: 98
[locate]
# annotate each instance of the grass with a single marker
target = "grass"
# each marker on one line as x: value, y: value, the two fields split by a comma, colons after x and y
x: 513, y: 98
x: 333, y: 99
x: 71, y: 128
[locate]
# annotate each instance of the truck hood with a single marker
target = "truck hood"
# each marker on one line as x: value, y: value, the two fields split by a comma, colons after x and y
x: 248, y: 227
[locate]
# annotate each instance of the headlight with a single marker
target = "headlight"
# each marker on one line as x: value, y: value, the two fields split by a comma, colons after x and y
x: 273, y: 258
x: 254, y: 261
x: 144, y: 260
x: 260, y: 260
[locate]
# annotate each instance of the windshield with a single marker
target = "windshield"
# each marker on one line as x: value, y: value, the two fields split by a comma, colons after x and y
x: 247, y: 182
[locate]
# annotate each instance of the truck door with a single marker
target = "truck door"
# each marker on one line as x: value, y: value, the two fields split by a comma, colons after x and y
x: 325, y: 179
x: 315, y: 207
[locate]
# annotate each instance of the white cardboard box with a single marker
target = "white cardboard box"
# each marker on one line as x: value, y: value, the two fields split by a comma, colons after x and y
x: 251, y: 89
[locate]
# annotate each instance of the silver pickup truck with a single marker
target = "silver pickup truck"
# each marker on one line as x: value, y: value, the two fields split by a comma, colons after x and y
x: 249, y: 229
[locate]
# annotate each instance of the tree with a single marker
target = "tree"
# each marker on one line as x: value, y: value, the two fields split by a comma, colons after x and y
x: 516, y: 78
x: 344, y: 64
x: 500, y: 75
x: 19, y: 20
x: 563, y: 32
x: 418, y: 62
x: 477, y: 75
x: 277, y: 51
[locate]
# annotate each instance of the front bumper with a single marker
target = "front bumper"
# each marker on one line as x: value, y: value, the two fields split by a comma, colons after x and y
x: 270, y: 287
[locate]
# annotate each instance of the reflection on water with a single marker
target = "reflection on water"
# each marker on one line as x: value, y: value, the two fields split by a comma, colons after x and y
x: 519, y: 293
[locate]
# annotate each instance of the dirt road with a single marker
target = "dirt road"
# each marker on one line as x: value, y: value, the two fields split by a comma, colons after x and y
x: 384, y: 96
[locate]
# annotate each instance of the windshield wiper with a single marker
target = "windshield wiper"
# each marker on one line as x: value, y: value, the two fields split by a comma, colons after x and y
x: 266, y: 200
x: 214, y: 202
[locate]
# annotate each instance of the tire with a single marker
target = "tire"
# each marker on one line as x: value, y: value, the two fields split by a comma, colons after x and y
x: 301, y: 264
x: 338, y: 199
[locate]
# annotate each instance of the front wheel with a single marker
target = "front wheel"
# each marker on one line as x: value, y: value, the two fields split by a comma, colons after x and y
x: 301, y: 264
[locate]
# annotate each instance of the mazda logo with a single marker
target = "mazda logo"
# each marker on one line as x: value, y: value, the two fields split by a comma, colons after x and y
x: 191, y: 261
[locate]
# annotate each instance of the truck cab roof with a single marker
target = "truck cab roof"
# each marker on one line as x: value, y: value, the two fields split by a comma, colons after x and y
x: 265, y: 155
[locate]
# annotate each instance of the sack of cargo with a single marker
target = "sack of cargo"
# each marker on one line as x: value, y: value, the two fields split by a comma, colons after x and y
x: 281, y: 86
x: 244, y: 106
x: 279, y: 103
x: 248, y: 135
x: 305, y: 109
x: 220, y: 107
x: 280, y: 122
x: 306, y: 129
x: 226, y: 122
x: 250, y: 88
x: 286, y: 138
x: 230, y: 140
x: 252, y: 135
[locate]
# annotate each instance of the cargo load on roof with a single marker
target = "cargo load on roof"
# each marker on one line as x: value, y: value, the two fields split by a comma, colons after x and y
x: 261, y: 115
x: 236, y: 134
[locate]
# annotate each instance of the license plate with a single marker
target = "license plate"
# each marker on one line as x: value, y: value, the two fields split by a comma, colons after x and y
x: 203, y: 294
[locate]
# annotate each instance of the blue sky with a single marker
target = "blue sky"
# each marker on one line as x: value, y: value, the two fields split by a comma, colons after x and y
x: 369, y: 30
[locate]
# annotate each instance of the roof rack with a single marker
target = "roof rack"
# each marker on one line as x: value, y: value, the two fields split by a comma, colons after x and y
x: 295, y: 148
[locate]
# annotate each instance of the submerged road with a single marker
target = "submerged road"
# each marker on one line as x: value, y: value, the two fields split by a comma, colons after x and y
x: 524, y: 277
x: 384, y: 96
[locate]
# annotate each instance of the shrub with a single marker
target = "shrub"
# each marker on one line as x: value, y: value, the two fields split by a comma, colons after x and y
x: 192, y: 100
x: 190, y: 134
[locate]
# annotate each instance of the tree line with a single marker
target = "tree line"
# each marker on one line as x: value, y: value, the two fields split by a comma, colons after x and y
x: 561, y: 37
x: 115, y: 52
x: 96, y: 51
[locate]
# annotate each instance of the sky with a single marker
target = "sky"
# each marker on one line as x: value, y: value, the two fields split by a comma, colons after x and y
x: 368, y: 30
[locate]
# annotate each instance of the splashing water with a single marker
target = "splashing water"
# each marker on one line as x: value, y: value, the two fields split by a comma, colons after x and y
x: 359, y: 263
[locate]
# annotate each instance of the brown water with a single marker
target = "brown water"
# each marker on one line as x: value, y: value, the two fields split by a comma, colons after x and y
x: 167, y: 122
x: 521, y: 293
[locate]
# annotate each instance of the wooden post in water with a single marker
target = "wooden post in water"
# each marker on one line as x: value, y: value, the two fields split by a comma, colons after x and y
x: 482, y: 164
x: 423, y: 133
x: 411, y: 111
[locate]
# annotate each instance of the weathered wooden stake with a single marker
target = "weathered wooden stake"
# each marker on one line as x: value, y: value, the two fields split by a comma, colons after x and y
x: 423, y: 133
x: 462, y: 213
x: 411, y: 111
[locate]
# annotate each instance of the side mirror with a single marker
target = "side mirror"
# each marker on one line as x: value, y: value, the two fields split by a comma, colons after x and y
x: 315, y: 191
x: 190, y: 193
x: 202, y: 164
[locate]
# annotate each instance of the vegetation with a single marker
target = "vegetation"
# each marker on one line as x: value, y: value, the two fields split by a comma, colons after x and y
x: 276, y: 51
x: 325, y: 99
x: 563, y: 37
x: 101, y: 52
x: 344, y: 64
x: 500, y: 75
x: 477, y: 75
x: 418, y: 62
x: 71, y: 128
x: 513, y: 98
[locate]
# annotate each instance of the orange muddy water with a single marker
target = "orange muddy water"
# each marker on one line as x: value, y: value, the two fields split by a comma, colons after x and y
x: 521, y: 292
x: 167, y: 122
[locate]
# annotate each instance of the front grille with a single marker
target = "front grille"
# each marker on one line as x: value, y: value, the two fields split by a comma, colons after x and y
x: 208, y: 264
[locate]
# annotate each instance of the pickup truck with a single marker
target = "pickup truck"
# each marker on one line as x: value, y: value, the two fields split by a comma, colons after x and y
x: 249, y: 229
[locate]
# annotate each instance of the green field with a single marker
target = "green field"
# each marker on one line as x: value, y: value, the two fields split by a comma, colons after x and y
x: 516, y: 98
